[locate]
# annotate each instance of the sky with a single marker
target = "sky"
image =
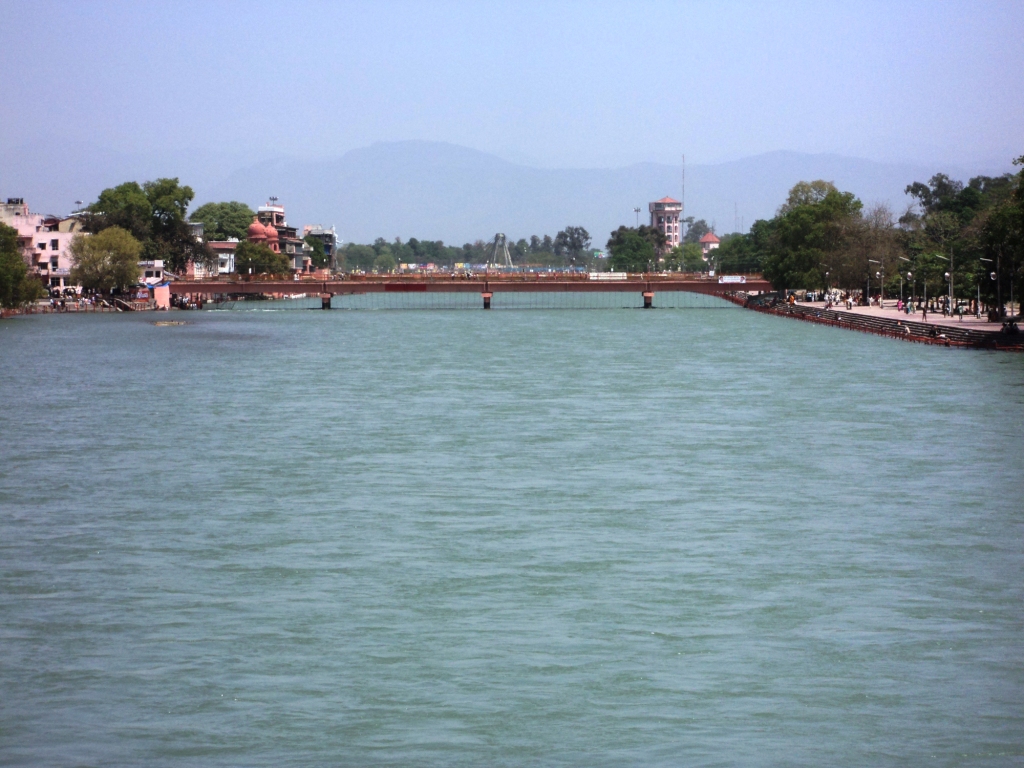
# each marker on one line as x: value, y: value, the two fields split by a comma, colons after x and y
x: 552, y: 84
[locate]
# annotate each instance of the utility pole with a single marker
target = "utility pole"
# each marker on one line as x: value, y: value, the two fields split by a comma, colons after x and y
x: 682, y: 202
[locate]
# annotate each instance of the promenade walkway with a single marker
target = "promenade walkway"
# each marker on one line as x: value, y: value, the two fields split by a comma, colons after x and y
x: 889, y: 312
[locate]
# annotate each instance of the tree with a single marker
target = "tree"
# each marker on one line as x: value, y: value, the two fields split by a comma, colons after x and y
x: 153, y: 213
x: 384, y: 262
x: 319, y: 255
x: 572, y: 242
x: 692, y: 257
x: 358, y: 256
x: 654, y: 236
x: 224, y: 220
x: 106, y: 260
x: 629, y: 251
x: 169, y: 201
x: 258, y: 259
x: 807, y: 193
x: 696, y: 230
x: 125, y: 206
x: 17, y: 286
x: 808, y: 235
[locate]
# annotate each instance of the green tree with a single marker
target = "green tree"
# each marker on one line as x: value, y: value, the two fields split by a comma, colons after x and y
x: 572, y: 242
x: 807, y: 193
x: 319, y: 256
x: 126, y: 206
x: 693, y: 258
x: 696, y: 230
x: 258, y: 259
x: 224, y: 220
x: 630, y: 252
x: 358, y: 257
x: 17, y: 286
x: 808, y: 235
x: 169, y: 201
x: 153, y: 213
x: 106, y: 260
x: 384, y: 262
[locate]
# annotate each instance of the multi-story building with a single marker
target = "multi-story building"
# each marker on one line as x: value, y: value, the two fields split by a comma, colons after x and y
x: 45, y: 241
x: 328, y: 237
x: 665, y: 215
x: 283, y: 239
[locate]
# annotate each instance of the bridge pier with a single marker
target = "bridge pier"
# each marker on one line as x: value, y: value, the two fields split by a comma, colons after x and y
x: 325, y: 301
x: 487, y: 299
x: 648, y: 299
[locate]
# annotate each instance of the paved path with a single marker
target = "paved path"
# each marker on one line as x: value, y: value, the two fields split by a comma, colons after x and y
x: 934, y: 318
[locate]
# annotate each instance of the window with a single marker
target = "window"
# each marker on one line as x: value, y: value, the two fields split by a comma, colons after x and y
x: 41, y: 246
x: 55, y: 245
x: 53, y: 263
x: 149, y: 273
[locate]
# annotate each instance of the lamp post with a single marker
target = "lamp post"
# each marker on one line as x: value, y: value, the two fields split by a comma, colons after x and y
x: 637, y: 212
x: 949, y: 301
x: 910, y: 279
x: 878, y: 274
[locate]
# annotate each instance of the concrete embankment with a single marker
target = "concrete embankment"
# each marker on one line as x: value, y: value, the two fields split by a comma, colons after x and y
x: 906, y: 330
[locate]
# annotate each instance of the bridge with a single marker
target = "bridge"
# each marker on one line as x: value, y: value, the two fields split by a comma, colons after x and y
x: 486, y: 286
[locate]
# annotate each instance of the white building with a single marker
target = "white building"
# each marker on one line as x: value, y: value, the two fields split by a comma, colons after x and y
x: 665, y: 215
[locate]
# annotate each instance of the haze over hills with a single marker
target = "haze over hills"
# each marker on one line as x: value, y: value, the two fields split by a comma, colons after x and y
x: 439, y: 191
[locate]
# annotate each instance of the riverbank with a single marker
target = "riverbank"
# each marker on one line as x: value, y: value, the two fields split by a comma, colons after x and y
x: 971, y: 332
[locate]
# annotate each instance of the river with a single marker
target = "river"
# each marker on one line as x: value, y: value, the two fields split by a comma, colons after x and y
x: 548, y: 537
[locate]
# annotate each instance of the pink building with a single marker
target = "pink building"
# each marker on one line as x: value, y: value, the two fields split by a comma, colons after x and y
x: 665, y: 215
x: 44, y: 241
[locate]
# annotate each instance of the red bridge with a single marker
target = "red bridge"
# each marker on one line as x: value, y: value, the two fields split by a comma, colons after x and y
x: 486, y: 286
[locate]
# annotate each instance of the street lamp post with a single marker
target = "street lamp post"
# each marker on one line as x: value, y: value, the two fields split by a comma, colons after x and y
x: 878, y: 274
x: 637, y: 212
x: 910, y: 279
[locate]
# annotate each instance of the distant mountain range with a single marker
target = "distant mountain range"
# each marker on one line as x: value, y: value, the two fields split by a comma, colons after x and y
x: 438, y: 191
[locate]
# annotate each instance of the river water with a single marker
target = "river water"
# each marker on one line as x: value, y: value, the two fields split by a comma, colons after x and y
x: 456, y: 537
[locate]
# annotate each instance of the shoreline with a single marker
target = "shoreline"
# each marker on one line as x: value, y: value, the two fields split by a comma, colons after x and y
x: 874, y: 320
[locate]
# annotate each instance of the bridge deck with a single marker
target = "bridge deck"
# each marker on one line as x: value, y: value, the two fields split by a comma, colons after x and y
x: 638, y: 284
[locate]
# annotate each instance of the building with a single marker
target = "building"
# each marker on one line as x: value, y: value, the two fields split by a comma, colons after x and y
x: 708, y: 243
x: 328, y: 237
x: 45, y: 241
x: 280, y: 237
x: 225, y: 250
x: 151, y: 272
x: 665, y: 215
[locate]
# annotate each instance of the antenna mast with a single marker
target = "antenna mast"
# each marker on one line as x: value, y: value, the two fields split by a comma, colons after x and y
x: 682, y: 201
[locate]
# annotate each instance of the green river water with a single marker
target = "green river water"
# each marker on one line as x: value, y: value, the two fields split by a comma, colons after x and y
x: 540, y: 537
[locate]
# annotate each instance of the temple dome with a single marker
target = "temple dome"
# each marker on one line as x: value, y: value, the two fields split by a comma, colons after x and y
x: 257, y: 232
x: 271, y: 232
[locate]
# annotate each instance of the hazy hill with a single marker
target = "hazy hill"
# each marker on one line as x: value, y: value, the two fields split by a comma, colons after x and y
x: 438, y: 191
x: 441, y: 191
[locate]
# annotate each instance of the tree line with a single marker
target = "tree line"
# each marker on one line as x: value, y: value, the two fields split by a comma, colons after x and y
x: 972, y: 234
x: 569, y: 247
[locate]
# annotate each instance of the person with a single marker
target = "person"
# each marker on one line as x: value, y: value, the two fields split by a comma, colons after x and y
x: 924, y: 313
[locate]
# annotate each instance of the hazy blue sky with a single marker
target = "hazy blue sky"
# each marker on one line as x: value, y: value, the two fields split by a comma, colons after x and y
x: 549, y: 83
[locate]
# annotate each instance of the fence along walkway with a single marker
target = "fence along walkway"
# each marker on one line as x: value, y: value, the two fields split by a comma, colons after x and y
x: 907, y: 330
